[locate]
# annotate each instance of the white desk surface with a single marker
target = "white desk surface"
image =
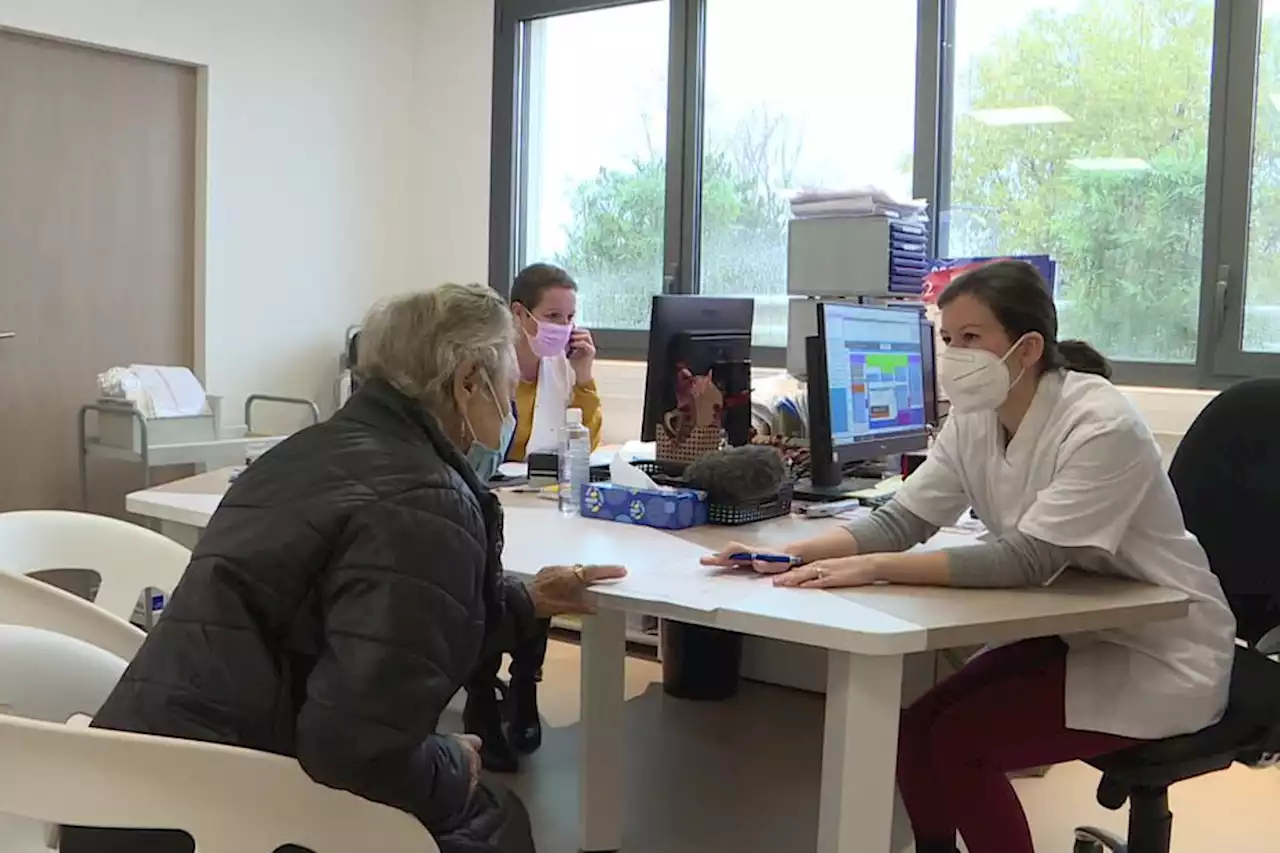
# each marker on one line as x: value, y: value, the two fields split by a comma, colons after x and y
x: 665, y: 580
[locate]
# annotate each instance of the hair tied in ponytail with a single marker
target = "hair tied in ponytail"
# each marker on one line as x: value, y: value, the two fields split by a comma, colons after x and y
x: 1082, y: 358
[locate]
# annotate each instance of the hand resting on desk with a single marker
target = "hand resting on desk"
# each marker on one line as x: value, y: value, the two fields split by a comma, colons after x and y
x: 831, y: 545
x: 819, y: 574
x: 561, y: 590
x: 832, y: 560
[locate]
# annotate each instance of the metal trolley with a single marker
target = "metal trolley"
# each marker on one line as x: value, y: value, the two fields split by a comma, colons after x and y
x: 124, y: 434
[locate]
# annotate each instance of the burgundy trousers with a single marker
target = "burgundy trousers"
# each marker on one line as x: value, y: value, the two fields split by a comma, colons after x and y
x: 1003, y: 712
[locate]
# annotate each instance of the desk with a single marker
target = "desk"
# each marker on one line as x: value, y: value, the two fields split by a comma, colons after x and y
x: 869, y: 634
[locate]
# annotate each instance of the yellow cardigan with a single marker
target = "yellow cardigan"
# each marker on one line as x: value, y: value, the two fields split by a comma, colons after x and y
x: 584, y: 397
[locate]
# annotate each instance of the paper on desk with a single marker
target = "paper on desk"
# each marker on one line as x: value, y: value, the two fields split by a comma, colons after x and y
x: 639, y: 450
x: 661, y: 567
x: 694, y: 587
x: 514, y: 469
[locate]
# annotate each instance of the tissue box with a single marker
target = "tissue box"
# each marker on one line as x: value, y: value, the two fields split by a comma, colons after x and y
x: 667, y: 510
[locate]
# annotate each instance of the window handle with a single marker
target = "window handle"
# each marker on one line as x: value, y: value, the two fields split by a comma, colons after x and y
x: 8, y: 336
x: 1222, y: 288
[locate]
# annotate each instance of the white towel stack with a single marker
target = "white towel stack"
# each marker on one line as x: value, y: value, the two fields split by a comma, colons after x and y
x: 865, y: 201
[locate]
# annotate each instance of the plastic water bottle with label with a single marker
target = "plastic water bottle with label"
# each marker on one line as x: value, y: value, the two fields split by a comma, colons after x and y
x: 575, y: 462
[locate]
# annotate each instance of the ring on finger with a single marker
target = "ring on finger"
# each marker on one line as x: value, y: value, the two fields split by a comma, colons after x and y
x: 819, y: 573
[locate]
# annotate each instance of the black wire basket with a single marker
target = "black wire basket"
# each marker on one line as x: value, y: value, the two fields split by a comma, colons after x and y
x: 726, y: 514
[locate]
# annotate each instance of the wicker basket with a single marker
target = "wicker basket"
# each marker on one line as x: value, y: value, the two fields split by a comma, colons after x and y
x: 701, y: 441
x: 733, y: 515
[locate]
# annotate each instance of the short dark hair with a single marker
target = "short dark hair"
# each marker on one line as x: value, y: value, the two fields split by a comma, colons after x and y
x: 535, y: 280
x: 1019, y: 297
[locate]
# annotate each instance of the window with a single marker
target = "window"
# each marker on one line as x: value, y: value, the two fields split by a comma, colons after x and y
x: 594, y: 182
x: 1080, y: 130
x: 1262, y: 292
x: 795, y: 98
x: 651, y: 146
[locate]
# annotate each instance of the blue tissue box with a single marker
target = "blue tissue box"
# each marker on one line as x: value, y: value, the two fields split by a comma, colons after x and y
x: 665, y: 510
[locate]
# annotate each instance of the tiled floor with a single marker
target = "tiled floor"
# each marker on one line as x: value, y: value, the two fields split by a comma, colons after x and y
x: 742, y: 777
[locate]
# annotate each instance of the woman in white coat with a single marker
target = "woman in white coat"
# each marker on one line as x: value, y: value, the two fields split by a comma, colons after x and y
x: 1064, y: 473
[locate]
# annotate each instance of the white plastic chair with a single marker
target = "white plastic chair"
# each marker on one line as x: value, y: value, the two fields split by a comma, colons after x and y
x: 229, y: 800
x: 52, y: 677
x: 55, y: 678
x: 29, y: 602
x: 129, y: 559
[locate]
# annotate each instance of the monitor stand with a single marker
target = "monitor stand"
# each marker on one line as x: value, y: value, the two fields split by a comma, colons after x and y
x: 807, y: 491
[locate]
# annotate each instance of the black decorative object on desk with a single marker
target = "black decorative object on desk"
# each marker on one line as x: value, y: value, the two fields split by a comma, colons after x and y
x: 743, y: 484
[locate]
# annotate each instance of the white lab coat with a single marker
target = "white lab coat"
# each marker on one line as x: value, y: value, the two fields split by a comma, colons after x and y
x: 1084, y: 470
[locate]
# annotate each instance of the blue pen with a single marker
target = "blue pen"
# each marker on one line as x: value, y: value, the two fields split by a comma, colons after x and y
x: 765, y: 558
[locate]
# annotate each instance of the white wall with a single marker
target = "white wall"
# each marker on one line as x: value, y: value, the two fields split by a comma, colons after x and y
x: 456, y: 99
x: 315, y: 164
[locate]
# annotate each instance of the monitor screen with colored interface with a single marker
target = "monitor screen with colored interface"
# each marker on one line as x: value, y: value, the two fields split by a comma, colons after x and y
x: 875, y: 373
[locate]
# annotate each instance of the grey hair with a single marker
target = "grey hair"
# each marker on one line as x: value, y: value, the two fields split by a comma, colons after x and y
x: 417, y: 342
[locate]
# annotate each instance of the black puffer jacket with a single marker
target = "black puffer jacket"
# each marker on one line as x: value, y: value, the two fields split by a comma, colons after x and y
x: 338, y: 599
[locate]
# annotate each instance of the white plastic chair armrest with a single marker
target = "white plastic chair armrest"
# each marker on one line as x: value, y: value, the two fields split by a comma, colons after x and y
x: 1270, y: 643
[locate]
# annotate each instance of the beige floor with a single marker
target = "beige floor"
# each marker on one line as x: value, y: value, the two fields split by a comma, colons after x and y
x: 742, y: 777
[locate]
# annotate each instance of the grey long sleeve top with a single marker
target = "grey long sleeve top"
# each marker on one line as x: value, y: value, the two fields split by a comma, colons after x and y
x: 1013, y: 560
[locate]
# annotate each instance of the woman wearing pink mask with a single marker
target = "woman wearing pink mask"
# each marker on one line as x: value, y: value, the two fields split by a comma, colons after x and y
x: 555, y: 363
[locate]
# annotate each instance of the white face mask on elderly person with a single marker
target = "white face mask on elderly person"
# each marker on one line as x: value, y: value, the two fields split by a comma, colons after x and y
x: 486, y: 454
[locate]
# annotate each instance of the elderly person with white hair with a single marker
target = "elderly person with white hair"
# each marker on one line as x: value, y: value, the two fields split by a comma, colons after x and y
x: 349, y: 583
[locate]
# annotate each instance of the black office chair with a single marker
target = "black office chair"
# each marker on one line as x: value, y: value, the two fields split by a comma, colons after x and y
x: 1227, y: 476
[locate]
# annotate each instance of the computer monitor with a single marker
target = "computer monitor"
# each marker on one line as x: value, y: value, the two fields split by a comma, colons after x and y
x: 697, y: 331
x: 871, y: 377
x: 928, y: 349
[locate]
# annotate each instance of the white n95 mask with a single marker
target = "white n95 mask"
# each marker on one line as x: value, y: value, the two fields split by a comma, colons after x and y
x: 975, y: 380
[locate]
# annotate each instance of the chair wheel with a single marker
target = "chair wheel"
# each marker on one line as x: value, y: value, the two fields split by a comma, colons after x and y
x: 1090, y: 840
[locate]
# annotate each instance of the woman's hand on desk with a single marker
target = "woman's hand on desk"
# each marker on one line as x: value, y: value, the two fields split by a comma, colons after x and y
x: 731, y: 557
x: 832, y: 574
x: 930, y: 568
x: 560, y: 590
x: 826, y: 546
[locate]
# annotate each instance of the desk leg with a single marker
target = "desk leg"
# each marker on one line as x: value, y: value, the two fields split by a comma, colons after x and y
x: 920, y: 673
x: 602, y: 773
x: 183, y: 534
x: 859, y: 753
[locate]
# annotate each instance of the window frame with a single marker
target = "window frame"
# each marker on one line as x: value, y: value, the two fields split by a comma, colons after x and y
x: 1220, y: 358
x: 1226, y: 295
x: 509, y: 167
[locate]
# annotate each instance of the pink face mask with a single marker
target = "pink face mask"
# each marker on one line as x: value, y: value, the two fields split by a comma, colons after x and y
x: 551, y: 339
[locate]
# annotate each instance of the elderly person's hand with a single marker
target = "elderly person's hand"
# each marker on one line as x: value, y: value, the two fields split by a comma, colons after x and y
x: 558, y: 590
x: 471, y: 745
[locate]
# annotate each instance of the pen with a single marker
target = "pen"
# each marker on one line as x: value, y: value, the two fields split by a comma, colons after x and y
x: 764, y: 558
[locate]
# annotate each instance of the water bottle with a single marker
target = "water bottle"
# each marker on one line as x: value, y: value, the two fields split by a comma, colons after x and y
x: 575, y: 461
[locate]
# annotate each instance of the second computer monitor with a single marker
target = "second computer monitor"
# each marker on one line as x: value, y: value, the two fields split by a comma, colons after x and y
x: 877, y: 379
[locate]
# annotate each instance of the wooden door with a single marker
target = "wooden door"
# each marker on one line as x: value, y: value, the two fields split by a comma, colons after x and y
x: 97, y: 207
